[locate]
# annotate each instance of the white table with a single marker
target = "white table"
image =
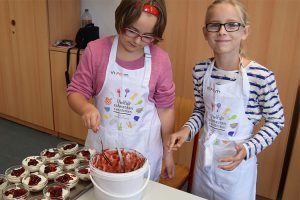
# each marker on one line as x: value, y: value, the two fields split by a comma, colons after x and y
x: 153, y: 191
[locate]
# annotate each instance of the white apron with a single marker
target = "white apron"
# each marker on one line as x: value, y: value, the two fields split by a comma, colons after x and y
x: 128, y: 118
x: 225, y: 125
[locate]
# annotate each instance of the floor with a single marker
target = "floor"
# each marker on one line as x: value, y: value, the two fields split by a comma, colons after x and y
x: 18, y: 142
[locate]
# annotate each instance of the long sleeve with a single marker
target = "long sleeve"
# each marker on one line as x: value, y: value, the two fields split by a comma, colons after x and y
x: 265, y: 97
x: 196, y: 120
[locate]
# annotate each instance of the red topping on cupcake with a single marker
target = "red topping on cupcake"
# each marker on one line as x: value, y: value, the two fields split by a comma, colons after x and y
x: 83, y: 171
x: 17, y: 172
x: 86, y: 154
x: 64, y: 178
x: 17, y: 192
x: 33, y: 162
x: 55, y: 191
x: 69, y: 146
x: 49, y: 154
x: 50, y: 168
x: 69, y: 159
x: 34, y: 179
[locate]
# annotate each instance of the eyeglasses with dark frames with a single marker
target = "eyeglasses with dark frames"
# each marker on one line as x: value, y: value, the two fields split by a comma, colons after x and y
x: 146, y: 38
x: 229, y: 26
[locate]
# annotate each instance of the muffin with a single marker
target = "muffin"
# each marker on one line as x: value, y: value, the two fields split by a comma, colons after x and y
x: 16, y: 192
x: 70, y: 179
x: 50, y: 155
x: 69, y: 162
x: 85, y: 154
x: 83, y: 172
x: 35, y: 182
x: 15, y: 173
x: 50, y: 170
x: 56, y: 191
x: 33, y: 163
x: 67, y: 148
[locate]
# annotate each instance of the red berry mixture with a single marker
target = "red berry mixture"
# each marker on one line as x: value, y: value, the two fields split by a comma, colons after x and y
x: 17, y: 192
x: 18, y: 172
x: 50, y: 168
x: 34, y: 179
x: 69, y: 146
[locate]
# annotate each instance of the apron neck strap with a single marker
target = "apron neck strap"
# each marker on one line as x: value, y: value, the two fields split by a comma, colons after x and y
x: 147, y: 65
x: 147, y: 62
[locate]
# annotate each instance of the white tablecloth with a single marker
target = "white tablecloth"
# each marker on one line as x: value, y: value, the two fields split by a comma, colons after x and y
x: 153, y: 191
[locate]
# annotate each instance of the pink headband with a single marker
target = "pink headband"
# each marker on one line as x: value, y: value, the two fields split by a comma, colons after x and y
x: 151, y: 9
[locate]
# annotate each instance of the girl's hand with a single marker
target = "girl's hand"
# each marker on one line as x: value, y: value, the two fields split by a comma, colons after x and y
x: 178, y: 138
x: 91, y: 117
x: 235, y: 160
x: 169, y: 170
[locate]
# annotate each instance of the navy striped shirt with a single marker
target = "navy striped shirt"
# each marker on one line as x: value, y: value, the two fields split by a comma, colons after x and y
x: 264, y: 102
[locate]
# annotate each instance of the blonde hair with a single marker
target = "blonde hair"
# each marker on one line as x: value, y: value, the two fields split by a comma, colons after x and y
x: 239, y: 8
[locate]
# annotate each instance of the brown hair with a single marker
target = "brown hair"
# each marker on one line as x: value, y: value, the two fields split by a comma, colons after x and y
x: 129, y: 12
x: 240, y: 9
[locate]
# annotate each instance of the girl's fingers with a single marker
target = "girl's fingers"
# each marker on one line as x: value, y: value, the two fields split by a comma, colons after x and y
x: 85, y: 122
x: 172, y: 141
x: 173, y: 149
x: 230, y: 166
x: 180, y: 142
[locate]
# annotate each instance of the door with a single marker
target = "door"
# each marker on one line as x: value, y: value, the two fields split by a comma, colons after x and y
x: 67, y: 123
x: 25, y: 69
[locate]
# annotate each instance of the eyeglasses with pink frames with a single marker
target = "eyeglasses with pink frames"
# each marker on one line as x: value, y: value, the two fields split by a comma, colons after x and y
x: 146, y: 38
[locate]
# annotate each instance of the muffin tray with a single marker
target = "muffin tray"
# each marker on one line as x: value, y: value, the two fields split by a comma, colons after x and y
x: 80, y: 188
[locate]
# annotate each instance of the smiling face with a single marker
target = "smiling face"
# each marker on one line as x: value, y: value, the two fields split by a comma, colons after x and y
x: 223, y: 42
x: 144, y: 26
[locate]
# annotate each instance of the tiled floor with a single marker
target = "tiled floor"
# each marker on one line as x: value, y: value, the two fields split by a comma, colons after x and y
x: 18, y: 142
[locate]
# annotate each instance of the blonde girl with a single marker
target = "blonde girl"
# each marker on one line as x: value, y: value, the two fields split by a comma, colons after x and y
x: 232, y: 94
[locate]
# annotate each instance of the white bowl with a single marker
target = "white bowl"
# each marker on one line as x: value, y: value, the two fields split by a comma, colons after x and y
x: 15, y: 191
x: 69, y: 178
x: 35, y: 182
x: 15, y: 173
x: 50, y: 170
x: 67, y: 148
x: 56, y: 191
x: 68, y: 162
x: 33, y: 163
x: 50, y: 155
x: 85, y: 154
x: 83, y: 172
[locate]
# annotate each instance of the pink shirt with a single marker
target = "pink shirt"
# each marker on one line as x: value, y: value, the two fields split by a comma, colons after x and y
x: 90, y: 74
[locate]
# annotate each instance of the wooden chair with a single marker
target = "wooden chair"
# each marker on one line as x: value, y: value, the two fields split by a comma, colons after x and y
x: 183, y: 173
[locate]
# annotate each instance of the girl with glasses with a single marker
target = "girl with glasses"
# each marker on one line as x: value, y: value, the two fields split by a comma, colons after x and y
x: 232, y: 94
x: 130, y: 79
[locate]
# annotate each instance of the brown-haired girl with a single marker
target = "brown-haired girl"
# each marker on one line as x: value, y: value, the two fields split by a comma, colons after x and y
x: 232, y: 94
x: 131, y: 81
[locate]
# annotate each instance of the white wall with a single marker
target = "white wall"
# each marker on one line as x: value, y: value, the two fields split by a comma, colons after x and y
x: 103, y: 14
